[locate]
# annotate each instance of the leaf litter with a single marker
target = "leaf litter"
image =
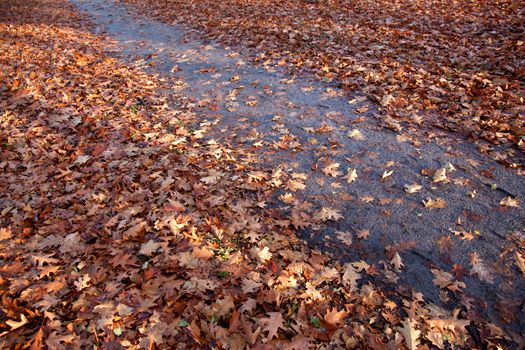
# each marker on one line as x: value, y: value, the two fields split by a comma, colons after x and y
x: 121, y: 228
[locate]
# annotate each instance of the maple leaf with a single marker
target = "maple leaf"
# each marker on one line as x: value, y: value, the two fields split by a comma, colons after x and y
x: 410, y: 334
x: 273, y: 323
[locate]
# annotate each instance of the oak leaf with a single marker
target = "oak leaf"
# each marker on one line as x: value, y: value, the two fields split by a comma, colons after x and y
x: 440, y: 175
x: 520, y: 262
x: 413, y: 188
x: 335, y: 317
x: 396, y: 261
x: 410, y: 333
x: 351, y: 176
x: 510, y: 202
x: 325, y: 214
x: 332, y: 170
x: 149, y: 247
x: 273, y: 323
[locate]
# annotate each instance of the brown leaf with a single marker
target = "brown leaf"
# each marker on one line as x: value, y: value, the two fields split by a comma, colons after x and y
x: 272, y: 324
x: 335, y: 317
x: 410, y: 333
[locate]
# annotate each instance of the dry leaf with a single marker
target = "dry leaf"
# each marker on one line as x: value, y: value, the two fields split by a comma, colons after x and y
x: 440, y: 175
x: 510, y: 202
x: 520, y: 262
x: 351, y: 176
x: 410, y: 333
x: 413, y: 188
x: 387, y: 174
x: 17, y: 324
x: 335, y: 317
x: 273, y: 323
x: 438, y: 203
x: 396, y: 261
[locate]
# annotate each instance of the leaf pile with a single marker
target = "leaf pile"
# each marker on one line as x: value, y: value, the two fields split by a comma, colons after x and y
x: 454, y: 64
x: 121, y: 227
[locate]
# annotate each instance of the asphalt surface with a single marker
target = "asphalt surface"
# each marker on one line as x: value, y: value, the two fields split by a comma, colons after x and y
x: 301, y: 124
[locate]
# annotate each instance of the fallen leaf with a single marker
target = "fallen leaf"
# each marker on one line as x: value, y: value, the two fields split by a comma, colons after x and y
x: 335, y: 317
x: 272, y: 324
x: 387, y: 174
x: 396, y: 261
x: 263, y: 255
x: 440, y: 175
x: 149, y: 247
x: 438, y: 203
x: 17, y: 324
x: 363, y: 234
x: 520, y: 262
x: 351, y: 176
x: 410, y: 333
x: 413, y: 188
x: 510, y: 202
x: 355, y: 134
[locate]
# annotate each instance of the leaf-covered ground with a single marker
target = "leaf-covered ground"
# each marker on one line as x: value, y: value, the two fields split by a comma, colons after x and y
x: 458, y: 65
x: 122, y: 227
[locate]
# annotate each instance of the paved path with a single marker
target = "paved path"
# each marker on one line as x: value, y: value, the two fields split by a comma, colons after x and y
x: 302, y: 126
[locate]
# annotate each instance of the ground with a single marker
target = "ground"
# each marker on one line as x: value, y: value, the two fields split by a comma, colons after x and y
x: 160, y: 189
